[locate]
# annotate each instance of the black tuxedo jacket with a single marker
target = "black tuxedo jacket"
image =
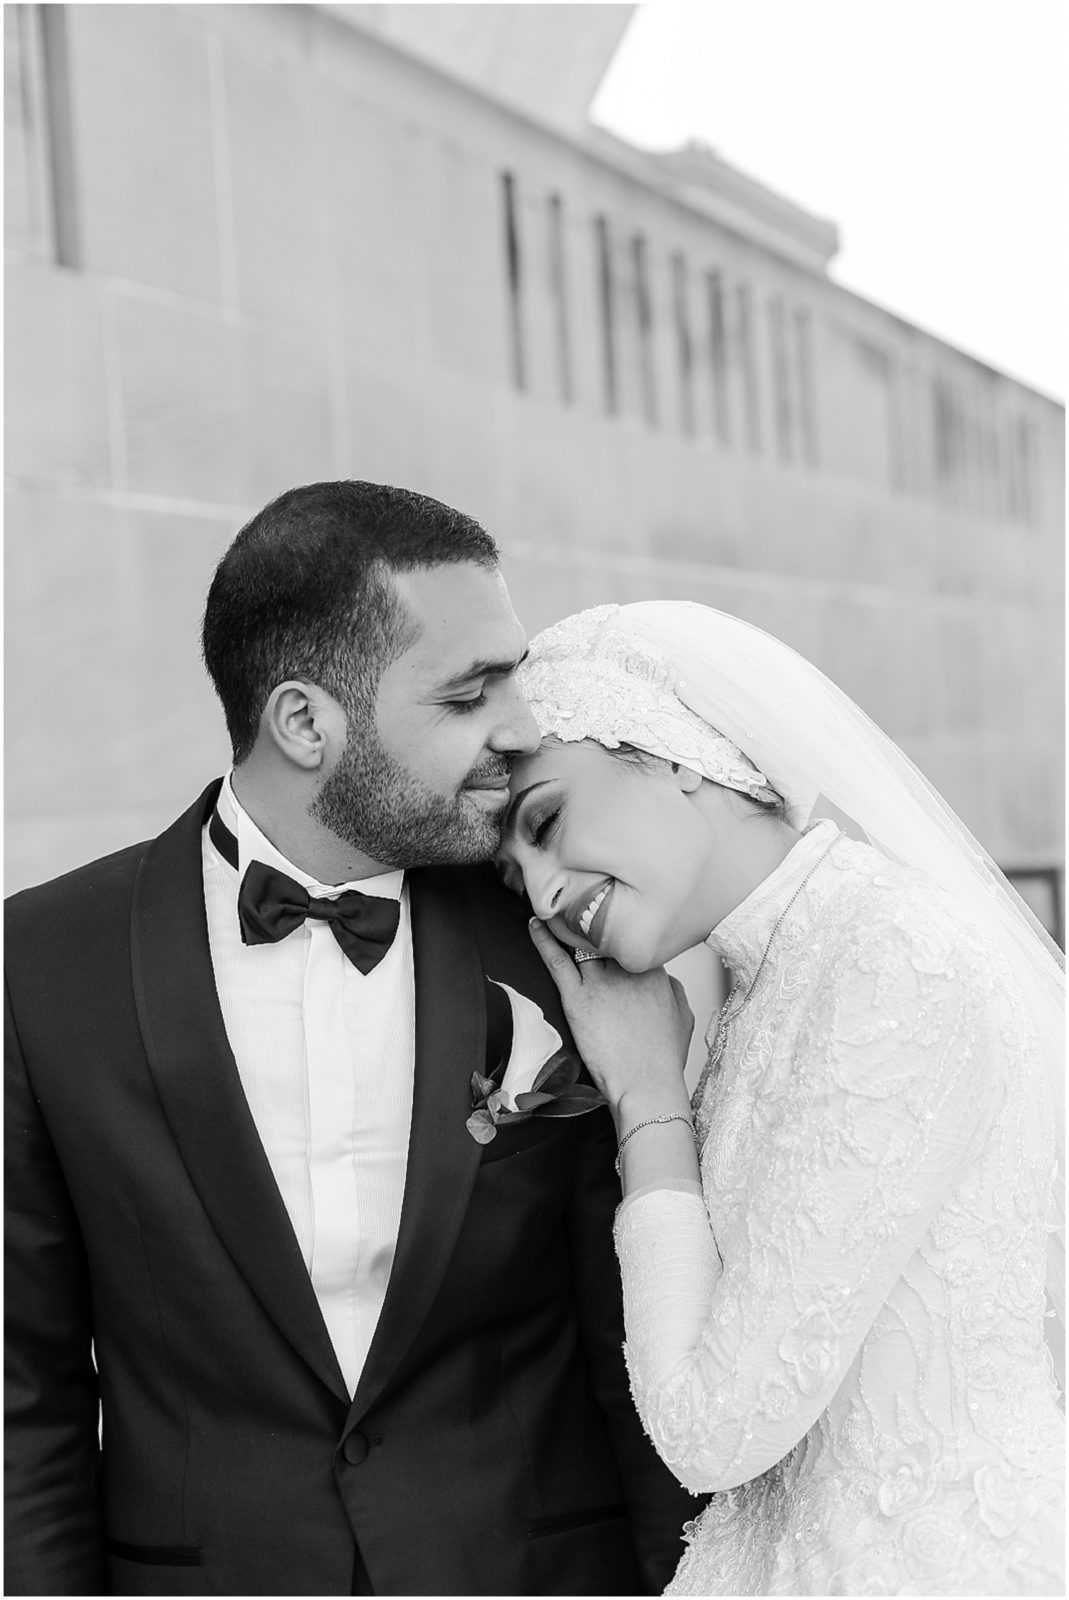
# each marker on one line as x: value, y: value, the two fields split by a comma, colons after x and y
x: 152, y: 1272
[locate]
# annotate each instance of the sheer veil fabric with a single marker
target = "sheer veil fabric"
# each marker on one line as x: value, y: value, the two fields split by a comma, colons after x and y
x: 812, y: 742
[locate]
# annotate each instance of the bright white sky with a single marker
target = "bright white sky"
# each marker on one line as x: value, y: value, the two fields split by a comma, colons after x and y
x: 932, y: 132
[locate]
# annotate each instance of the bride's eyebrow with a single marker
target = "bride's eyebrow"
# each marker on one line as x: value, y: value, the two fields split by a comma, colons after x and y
x: 512, y: 815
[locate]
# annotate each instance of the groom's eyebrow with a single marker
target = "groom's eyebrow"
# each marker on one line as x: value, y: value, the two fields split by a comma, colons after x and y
x: 483, y: 669
x: 513, y: 812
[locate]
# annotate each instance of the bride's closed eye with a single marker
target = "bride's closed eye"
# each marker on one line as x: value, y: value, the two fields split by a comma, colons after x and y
x: 542, y: 824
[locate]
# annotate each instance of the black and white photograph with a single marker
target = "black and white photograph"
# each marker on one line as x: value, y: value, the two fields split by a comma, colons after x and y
x: 535, y: 798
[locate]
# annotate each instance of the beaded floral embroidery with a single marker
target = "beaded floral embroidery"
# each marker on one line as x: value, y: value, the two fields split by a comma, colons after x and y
x: 589, y: 677
x: 844, y: 1343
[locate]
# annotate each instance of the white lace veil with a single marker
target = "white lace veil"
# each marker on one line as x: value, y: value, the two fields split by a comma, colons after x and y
x: 812, y: 742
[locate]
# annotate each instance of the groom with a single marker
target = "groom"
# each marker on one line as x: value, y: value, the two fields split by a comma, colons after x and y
x: 338, y: 1346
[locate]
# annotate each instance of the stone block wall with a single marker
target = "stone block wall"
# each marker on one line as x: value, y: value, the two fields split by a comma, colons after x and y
x: 250, y: 246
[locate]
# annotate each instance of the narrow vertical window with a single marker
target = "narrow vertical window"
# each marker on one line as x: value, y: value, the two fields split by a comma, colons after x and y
x: 644, y: 314
x: 28, y: 184
x: 748, y: 365
x: 807, y: 400
x: 55, y: 56
x: 781, y: 379
x: 515, y: 279
x: 966, y: 487
x: 940, y: 429
x: 718, y: 357
x: 896, y: 442
x: 684, y: 343
x: 1012, y: 460
x: 558, y: 283
x: 992, y: 453
x: 1024, y: 469
x: 608, y: 313
x: 957, y: 437
x: 949, y: 436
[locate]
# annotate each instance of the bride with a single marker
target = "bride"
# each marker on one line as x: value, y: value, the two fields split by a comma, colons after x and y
x: 834, y: 1269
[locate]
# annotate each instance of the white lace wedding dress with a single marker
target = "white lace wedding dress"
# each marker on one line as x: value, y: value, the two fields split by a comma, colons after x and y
x: 843, y: 1340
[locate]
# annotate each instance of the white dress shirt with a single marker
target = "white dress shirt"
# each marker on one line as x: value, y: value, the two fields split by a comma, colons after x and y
x: 326, y: 1057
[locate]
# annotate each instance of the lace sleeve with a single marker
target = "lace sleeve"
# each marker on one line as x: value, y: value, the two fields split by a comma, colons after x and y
x: 853, y: 1148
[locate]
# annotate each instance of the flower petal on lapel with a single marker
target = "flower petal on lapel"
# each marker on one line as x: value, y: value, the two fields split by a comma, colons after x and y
x: 528, y: 1101
x: 482, y: 1127
x: 573, y: 1102
x: 481, y: 1087
x: 534, y: 1041
x: 559, y: 1072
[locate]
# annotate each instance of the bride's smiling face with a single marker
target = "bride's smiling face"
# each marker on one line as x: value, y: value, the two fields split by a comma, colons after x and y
x: 613, y: 853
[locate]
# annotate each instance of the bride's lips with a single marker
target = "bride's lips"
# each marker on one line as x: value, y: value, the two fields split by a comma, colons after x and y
x: 597, y: 927
x: 573, y: 916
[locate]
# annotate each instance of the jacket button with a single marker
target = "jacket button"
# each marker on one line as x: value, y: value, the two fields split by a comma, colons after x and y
x: 355, y: 1448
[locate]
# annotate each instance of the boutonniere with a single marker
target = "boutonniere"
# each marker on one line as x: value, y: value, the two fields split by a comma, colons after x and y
x: 555, y: 1092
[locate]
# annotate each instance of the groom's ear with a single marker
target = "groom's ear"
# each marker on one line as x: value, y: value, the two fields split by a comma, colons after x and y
x: 304, y: 724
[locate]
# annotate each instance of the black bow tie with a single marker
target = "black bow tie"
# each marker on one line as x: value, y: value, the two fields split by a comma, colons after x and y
x: 271, y: 905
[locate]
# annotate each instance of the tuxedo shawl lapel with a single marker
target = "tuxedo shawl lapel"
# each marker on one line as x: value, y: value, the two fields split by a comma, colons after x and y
x: 197, y: 1080
x: 443, y: 1158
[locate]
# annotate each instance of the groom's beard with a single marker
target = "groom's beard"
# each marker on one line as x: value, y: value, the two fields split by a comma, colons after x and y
x: 381, y: 808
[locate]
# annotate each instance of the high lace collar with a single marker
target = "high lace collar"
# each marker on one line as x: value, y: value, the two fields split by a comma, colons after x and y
x: 741, y: 939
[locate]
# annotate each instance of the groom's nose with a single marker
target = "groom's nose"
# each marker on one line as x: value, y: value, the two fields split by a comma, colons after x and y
x: 515, y: 729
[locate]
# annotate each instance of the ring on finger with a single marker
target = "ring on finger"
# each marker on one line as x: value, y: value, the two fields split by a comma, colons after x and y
x: 579, y: 956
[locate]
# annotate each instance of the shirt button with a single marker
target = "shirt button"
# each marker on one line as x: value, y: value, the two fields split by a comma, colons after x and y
x: 355, y: 1448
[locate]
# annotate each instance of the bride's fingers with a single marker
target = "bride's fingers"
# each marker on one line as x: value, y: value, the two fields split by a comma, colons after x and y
x: 562, y: 968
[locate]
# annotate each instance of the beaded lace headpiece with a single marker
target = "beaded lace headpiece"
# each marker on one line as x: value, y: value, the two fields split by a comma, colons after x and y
x: 592, y: 677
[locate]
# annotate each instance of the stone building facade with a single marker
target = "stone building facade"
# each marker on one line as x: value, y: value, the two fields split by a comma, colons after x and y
x: 255, y: 245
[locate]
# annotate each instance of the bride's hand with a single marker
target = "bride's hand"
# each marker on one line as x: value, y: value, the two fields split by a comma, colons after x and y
x: 631, y: 1029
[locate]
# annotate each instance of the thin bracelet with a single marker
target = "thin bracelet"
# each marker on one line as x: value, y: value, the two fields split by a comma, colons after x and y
x: 675, y: 1116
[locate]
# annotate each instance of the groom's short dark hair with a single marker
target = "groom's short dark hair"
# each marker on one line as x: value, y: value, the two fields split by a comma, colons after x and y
x: 303, y: 593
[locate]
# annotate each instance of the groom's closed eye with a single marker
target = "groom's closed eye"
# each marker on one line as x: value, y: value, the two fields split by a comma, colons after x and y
x: 472, y: 703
